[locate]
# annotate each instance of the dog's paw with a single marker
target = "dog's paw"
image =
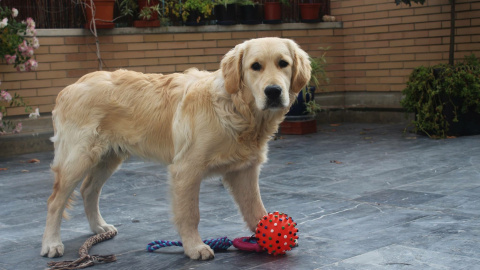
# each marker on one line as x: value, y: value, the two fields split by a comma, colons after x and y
x: 103, y: 228
x: 199, y: 252
x: 52, y: 250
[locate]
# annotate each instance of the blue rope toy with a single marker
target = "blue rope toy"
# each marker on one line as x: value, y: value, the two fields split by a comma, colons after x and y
x: 222, y: 243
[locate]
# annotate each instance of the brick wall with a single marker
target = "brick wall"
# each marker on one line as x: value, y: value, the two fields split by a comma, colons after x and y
x: 66, y: 55
x: 383, y: 42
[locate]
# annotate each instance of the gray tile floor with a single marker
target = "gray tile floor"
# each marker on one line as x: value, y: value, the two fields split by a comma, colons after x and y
x: 364, y: 196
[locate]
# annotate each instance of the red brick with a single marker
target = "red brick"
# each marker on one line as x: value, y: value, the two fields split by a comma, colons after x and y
x: 202, y: 44
x: 189, y: 36
x: 161, y: 37
x: 429, y: 56
x: 376, y: 15
x: 402, y: 42
x: 247, y: 35
x: 219, y: 35
x: 377, y: 58
x: 189, y: 52
x: 172, y: 60
x: 294, y: 33
x: 428, y: 41
x: 203, y: 59
x: 160, y: 69
x: 269, y: 34
x: 172, y: 45
x: 428, y: 10
x: 142, y: 46
x: 402, y: 57
x: 127, y: 39
x: 416, y: 49
x: 376, y: 29
x: 400, y: 27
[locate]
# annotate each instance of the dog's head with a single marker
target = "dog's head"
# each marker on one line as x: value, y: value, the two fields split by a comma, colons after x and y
x: 271, y: 68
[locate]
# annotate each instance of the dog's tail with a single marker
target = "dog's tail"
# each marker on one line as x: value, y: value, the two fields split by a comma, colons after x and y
x: 71, y: 200
x: 70, y: 203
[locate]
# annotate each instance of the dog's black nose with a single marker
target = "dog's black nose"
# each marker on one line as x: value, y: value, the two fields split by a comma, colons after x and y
x: 273, y: 92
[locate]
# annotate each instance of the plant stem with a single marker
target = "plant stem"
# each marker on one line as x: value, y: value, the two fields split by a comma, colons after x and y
x: 451, y: 53
x: 93, y: 29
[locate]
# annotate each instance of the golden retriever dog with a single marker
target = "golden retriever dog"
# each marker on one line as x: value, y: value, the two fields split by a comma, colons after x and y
x: 198, y: 123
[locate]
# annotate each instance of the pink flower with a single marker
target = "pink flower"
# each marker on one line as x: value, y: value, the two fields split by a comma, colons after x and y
x: 30, y: 27
x: 22, y: 47
x: 30, y: 24
x: 18, y: 128
x: 14, y: 12
x: 21, y: 68
x: 34, y: 43
x: 28, y: 52
x: 4, y: 23
x: 5, y: 95
x: 31, y: 64
x: 10, y: 58
x: 30, y: 32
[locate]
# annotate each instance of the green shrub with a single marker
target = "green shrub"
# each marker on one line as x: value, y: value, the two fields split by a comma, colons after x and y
x: 430, y: 89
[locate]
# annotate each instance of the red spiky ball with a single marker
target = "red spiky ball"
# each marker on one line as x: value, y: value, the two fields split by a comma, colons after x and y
x: 276, y: 233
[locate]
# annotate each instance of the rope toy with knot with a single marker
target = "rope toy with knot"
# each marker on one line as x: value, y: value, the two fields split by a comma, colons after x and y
x: 217, y: 244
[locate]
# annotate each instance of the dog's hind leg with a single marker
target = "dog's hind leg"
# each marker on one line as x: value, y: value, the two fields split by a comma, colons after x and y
x: 70, y: 166
x: 92, y: 187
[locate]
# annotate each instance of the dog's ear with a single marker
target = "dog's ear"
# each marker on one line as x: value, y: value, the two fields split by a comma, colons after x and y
x: 231, y: 66
x: 301, y: 68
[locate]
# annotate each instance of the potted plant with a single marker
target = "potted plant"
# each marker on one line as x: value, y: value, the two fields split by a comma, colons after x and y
x: 310, y: 11
x: 445, y: 99
x: 103, y: 10
x: 273, y: 11
x: 249, y: 12
x: 148, y: 15
x: 17, y: 46
x: 195, y: 12
x: 225, y: 12
x: 173, y: 12
x: 300, y: 119
x: 125, y: 12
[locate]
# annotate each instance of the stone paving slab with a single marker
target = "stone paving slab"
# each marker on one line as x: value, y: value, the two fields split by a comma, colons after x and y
x: 365, y: 196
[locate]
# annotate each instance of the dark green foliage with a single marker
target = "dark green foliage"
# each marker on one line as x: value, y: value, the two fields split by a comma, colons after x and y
x: 427, y: 95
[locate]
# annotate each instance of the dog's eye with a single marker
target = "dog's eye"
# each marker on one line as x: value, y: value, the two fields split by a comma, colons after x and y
x: 283, y: 63
x: 256, y: 66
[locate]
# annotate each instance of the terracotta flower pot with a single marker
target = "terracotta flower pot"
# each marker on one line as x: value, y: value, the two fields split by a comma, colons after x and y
x: 103, y: 13
x: 272, y: 12
x: 310, y: 12
x: 149, y: 23
x: 153, y: 21
x: 144, y: 3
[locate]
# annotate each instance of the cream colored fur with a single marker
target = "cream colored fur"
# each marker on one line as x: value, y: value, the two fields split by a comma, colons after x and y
x: 198, y: 123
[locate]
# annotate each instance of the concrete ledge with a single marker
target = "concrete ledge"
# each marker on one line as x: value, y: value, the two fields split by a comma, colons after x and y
x: 362, y: 107
x: 35, y: 137
x: 190, y: 29
x: 387, y: 100
x: 25, y: 143
x: 330, y: 116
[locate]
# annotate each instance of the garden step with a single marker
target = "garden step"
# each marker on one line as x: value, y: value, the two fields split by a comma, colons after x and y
x: 35, y: 137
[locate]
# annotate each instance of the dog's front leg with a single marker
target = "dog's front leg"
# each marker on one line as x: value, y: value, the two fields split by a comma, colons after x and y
x: 244, y: 187
x: 185, y: 189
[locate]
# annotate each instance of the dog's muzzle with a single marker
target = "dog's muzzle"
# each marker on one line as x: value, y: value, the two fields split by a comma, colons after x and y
x: 273, y: 94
